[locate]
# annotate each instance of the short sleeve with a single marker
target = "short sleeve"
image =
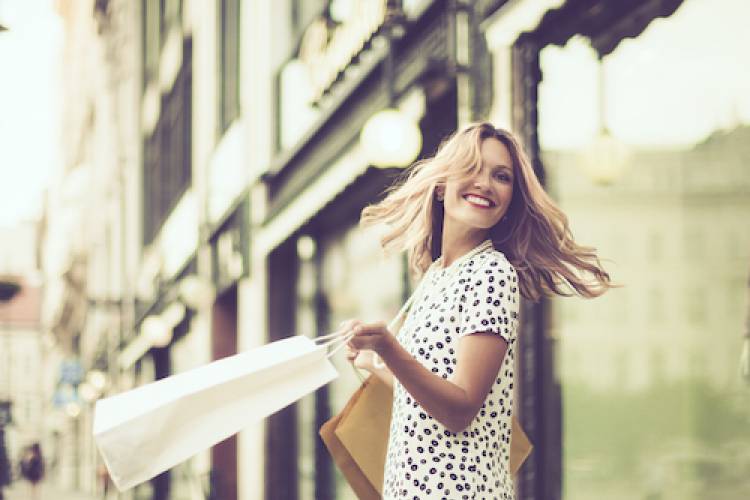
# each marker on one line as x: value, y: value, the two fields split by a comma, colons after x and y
x: 489, y: 300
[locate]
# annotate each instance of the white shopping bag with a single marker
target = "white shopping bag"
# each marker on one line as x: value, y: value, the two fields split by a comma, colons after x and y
x: 145, y: 431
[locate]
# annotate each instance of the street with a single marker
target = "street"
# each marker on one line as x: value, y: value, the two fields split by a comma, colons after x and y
x: 21, y: 490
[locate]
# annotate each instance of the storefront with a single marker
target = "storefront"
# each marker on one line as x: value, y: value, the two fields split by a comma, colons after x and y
x: 156, y: 351
x: 229, y: 265
x: 637, y: 117
x: 322, y: 267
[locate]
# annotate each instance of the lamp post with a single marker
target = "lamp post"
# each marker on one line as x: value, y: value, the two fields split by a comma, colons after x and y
x: 390, y: 138
x: 605, y: 158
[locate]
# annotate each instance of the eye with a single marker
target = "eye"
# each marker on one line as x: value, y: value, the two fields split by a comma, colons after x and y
x: 502, y: 176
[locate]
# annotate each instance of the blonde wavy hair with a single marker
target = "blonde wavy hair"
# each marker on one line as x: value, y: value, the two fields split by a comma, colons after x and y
x: 534, y: 236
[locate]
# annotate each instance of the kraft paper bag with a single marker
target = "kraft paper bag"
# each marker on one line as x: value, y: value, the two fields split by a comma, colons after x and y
x: 361, y: 430
x: 148, y: 430
x: 520, y: 446
x: 357, y: 437
x: 361, y: 485
x: 370, y: 411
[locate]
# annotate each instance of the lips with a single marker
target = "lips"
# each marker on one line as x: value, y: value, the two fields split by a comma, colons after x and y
x: 479, y: 201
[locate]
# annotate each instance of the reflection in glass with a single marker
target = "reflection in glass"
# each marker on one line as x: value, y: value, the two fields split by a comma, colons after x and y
x: 653, y: 404
x: 357, y: 281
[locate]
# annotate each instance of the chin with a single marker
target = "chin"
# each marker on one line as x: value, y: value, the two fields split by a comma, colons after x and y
x: 478, y: 226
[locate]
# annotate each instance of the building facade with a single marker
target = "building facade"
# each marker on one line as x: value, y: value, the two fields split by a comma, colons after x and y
x: 21, y: 380
x: 226, y: 218
x: 656, y: 180
x: 88, y: 247
x: 321, y: 177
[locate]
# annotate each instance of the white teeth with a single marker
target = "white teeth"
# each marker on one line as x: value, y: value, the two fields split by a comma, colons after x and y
x: 477, y: 200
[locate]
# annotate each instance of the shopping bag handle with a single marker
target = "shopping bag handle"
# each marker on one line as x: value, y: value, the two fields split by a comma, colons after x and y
x: 400, y: 316
x: 336, y: 340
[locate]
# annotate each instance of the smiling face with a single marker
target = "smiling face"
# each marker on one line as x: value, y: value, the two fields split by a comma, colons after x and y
x: 479, y: 201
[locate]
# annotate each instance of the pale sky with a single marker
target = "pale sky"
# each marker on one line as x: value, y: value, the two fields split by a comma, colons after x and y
x: 30, y: 56
x: 683, y: 78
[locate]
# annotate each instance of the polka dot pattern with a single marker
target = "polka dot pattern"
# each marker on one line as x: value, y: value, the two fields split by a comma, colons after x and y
x: 424, y: 459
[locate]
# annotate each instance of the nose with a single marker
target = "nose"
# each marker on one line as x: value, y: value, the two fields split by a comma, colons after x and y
x: 482, y: 179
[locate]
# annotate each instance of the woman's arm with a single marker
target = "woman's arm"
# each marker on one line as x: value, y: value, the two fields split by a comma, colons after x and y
x: 385, y: 375
x: 455, y: 402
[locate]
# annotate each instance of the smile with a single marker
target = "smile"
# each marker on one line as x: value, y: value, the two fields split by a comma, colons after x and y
x: 479, y: 201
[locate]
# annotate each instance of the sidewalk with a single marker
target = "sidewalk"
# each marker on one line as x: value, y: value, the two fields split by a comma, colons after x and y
x: 21, y: 490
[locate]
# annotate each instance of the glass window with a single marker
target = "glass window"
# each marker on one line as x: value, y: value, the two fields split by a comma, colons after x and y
x: 357, y: 281
x: 151, y: 34
x: 653, y: 406
x: 656, y: 303
x: 229, y: 62
x: 167, y: 154
x: 304, y: 11
x: 656, y: 244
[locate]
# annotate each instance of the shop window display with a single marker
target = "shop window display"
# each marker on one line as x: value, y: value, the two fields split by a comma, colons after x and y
x: 653, y: 404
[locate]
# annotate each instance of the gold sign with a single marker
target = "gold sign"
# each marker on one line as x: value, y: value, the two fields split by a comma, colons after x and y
x: 326, y: 53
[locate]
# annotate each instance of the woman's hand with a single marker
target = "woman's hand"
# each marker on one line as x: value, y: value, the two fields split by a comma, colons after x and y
x: 369, y: 336
x: 362, y: 359
x: 366, y: 359
x: 368, y: 339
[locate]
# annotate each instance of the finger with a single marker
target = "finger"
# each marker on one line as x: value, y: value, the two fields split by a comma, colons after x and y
x: 345, y: 327
x: 354, y: 342
x: 368, y: 329
x: 348, y: 324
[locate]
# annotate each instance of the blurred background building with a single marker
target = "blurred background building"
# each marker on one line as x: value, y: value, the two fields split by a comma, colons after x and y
x: 21, y: 381
x: 216, y: 157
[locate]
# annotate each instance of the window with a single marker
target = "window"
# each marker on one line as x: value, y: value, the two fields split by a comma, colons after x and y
x: 167, y: 165
x: 683, y: 327
x: 695, y: 302
x: 157, y: 18
x: 229, y: 62
x: 354, y: 280
x: 656, y: 304
x: 303, y: 12
x: 694, y: 244
x: 656, y: 244
x: 151, y: 34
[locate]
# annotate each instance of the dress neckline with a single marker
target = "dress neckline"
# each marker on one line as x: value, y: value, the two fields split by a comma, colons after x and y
x: 485, y: 245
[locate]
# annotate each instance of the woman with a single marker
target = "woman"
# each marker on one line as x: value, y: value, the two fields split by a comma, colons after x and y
x: 479, y: 228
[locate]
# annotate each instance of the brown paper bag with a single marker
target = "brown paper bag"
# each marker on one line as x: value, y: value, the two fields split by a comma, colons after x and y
x: 357, y: 438
x: 365, y: 428
x: 520, y: 446
x: 362, y: 486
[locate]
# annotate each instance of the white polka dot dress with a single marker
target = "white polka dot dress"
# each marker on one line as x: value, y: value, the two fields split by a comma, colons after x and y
x: 476, y: 293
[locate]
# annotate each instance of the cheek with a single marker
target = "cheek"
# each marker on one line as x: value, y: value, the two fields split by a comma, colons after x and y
x: 506, y: 192
x: 452, y: 194
x: 452, y: 189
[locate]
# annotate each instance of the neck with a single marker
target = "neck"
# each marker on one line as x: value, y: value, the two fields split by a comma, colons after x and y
x: 457, y: 241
